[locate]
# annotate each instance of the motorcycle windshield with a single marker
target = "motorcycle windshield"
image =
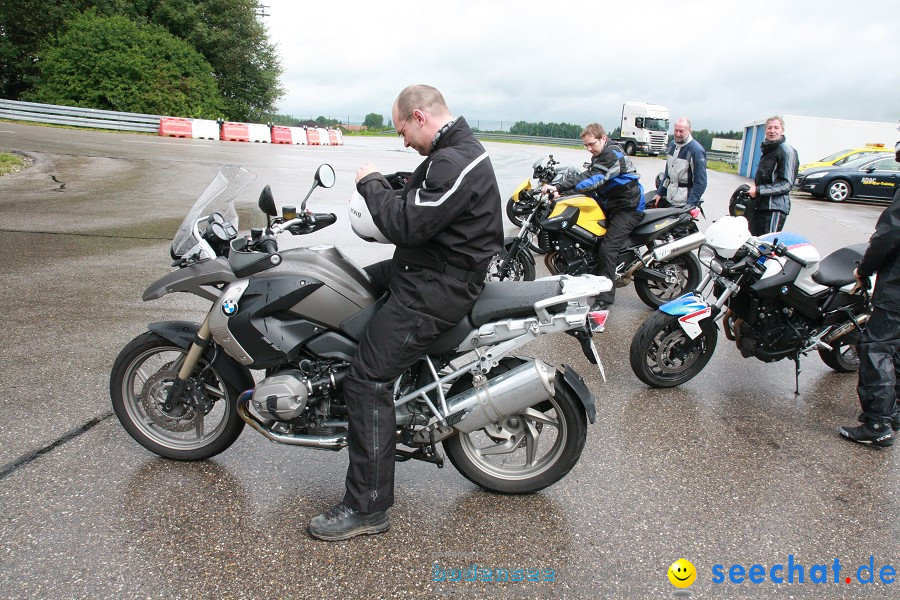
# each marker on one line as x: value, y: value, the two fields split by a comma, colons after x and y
x: 218, y: 197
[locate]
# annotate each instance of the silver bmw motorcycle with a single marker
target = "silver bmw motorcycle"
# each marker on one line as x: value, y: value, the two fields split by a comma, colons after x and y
x: 275, y: 346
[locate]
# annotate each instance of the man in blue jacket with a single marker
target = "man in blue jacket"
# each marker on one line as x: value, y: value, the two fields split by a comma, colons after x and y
x: 879, y: 344
x: 684, y: 179
x: 612, y: 181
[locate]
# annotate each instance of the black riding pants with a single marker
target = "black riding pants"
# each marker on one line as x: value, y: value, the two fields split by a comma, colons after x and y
x: 421, y: 304
x: 618, y: 227
x: 879, y: 365
x: 767, y: 221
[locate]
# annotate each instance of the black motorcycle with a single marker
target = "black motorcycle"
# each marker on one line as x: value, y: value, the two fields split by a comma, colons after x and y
x: 774, y: 297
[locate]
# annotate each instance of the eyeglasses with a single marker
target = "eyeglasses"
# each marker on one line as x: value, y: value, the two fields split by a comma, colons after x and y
x: 405, y: 121
x: 590, y: 145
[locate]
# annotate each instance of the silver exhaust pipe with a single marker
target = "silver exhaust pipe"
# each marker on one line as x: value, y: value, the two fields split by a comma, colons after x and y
x: 322, y: 442
x: 502, y: 396
x: 664, y: 253
x: 846, y: 328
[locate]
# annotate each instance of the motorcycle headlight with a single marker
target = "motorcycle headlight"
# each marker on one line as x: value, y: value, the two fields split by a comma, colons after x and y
x: 817, y: 175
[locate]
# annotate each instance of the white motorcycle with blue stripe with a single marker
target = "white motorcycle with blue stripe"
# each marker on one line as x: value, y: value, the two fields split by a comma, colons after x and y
x: 774, y: 297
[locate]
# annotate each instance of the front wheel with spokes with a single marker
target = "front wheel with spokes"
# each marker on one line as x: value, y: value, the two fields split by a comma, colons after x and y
x: 524, y: 452
x: 204, y: 424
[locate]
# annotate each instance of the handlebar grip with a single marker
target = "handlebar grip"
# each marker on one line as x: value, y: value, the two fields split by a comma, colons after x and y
x: 795, y: 258
x: 269, y: 245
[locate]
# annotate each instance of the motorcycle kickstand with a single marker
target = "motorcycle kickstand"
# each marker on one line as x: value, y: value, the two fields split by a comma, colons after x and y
x: 797, y: 374
x: 426, y: 454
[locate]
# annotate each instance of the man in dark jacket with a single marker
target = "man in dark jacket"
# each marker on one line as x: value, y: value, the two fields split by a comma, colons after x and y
x: 879, y: 345
x: 612, y: 180
x: 447, y: 225
x: 684, y: 179
x: 775, y: 177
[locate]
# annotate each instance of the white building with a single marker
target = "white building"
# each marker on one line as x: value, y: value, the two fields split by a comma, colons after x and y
x: 815, y: 137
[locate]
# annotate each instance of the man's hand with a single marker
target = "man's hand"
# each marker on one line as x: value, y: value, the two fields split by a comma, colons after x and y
x: 655, y: 201
x: 366, y: 169
x: 550, y: 190
x: 752, y: 191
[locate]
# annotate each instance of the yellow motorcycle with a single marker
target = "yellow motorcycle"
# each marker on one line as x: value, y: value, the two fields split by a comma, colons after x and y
x: 569, y: 230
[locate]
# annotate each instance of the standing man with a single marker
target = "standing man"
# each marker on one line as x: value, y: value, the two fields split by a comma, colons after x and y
x: 447, y: 225
x: 612, y: 180
x: 879, y: 344
x: 685, y: 176
x: 775, y: 177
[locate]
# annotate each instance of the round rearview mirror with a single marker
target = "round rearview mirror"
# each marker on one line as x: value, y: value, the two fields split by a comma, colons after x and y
x: 267, y: 202
x: 325, y: 176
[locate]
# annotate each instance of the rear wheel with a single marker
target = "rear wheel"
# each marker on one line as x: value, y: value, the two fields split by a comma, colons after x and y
x: 525, y: 452
x: 842, y: 357
x: 204, y: 425
x: 663, y: 355
x: 683, y: 274
x: 838, y: 190
x: 629, y: 148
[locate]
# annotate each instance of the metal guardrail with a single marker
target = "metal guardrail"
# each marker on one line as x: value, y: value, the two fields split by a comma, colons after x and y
x: 726, y: 157
x: 80, y: 117
x: 530, y: 139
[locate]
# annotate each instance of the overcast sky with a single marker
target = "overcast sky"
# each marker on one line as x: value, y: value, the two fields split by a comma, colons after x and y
x: 719, y: 62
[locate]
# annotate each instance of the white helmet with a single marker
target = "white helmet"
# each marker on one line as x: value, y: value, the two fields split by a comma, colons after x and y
x: 361, y: 221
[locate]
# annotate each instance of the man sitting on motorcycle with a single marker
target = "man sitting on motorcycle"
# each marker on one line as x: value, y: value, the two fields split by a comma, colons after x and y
x: 612, y: 181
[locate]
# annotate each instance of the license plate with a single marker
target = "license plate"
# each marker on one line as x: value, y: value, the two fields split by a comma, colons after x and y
x: 599, y: 362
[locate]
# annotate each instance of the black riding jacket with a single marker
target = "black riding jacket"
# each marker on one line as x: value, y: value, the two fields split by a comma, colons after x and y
x: 775, y: 176
x: 449, y: 212
x: 883, y: 257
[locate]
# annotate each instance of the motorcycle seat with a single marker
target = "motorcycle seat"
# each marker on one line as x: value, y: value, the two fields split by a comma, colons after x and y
x: 510, y: 299
x: 655, y: 214
x: 498, y: 300
x: 836, y: 269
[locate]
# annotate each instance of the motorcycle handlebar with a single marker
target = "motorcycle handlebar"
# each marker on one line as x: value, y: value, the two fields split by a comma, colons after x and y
x: 268, y: 245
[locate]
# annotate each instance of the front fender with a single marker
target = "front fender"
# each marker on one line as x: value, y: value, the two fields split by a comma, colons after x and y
x: 575, y: 383
x: 523, y: 251
x: 183, y: 333
x: 690, y: 309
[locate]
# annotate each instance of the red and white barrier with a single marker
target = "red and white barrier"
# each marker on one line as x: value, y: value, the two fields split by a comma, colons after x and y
x: 175, y: 127
x: 298, y: 135
x: 334, y: 135
x: 259, y: 133
x: 249, y: 132
x: 204, y: 129
x: 281, y: 135
x: 235, y: 132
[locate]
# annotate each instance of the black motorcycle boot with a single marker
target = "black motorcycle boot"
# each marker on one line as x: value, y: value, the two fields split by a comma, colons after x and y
x: 875, y: 433
x: 895, y: 419
x: 342, y: 523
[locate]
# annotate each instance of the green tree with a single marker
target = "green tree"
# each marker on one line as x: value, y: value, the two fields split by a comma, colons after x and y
x: 113, y: 63
x: 230, y: 36
x: 557, y: 130
x: 374, y: 121
x: 226, y: 32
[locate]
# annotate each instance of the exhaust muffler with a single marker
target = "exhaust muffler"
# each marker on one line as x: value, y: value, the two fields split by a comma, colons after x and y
x: 665, y: 252
x: 846, y: 328
x: 502, y: 396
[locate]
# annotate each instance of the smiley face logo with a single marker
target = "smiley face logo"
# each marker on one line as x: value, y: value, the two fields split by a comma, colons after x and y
x: 682, y: 573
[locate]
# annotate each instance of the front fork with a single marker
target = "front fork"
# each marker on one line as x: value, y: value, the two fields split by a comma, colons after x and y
x: 175, y: 398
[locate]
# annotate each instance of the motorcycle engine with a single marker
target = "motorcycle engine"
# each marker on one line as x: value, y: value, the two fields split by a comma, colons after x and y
x: 282, y: 397
x: 774, y: 333
x: 569, y: 260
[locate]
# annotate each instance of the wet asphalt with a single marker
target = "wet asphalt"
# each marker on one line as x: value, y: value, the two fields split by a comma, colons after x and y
x: 732, y: 468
